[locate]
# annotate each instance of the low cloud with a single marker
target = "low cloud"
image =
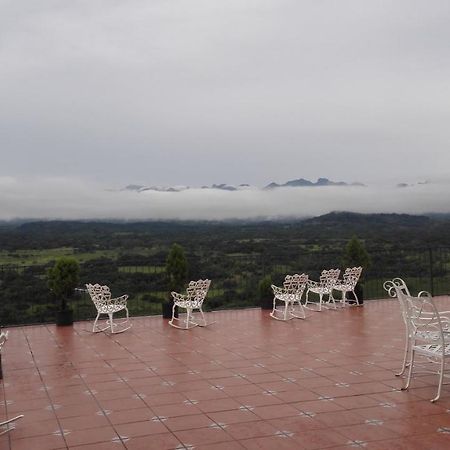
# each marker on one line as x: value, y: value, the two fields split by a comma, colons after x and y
x: 71, y: 198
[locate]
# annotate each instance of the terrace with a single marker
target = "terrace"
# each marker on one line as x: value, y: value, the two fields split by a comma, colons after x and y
x: 245, y: 382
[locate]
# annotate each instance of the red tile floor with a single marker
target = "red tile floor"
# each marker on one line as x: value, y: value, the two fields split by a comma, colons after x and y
x: 245, y: 382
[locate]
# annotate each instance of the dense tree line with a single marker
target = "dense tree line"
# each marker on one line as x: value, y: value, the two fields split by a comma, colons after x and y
x: 235, y: 255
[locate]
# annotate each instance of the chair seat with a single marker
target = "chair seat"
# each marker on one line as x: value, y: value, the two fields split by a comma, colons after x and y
x: 110, y: 309
x: 319, y: 290
x: 287, y: 297
x: 188, y: 304
x: 343, y: 287
x: 432, y: 349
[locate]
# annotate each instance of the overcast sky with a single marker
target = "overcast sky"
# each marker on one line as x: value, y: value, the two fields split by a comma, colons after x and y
x: 177, y: 92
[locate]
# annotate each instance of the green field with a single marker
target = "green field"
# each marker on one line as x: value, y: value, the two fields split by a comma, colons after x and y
x: 45, y: 256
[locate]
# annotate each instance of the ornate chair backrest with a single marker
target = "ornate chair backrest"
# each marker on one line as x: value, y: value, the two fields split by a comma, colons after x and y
x: 351, y: 276
x: 397, y: 288
x: 424, y: 319
x: 328, y: 278
x: 100, y: 295
x: 197, y: 291
x: 295, y: 283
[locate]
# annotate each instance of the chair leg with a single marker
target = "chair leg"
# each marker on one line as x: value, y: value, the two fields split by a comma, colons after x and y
x: 302, y: 314
x: 405, y: 354
x: 274, y: 306
x: 441, y: 378
x: 344, y: 298
x: 173, y: 314
x: 203, y: 316
x: 411, y: 364
x: 111, y: 324
x: 286, y: 306
x: 188, y: 317
x: 320, y: 301
x: 95, y: 324
x: 356, y: 297
x: 331, y: 299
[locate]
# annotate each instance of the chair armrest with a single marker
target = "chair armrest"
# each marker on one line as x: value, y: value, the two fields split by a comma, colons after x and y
x: 122, y: 300
x: 178, y: 297
x: 424, y: 294
x: 277, y: 290
x: 312, y: 283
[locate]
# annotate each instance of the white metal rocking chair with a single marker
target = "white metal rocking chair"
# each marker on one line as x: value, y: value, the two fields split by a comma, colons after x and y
x: 6, y: 424
x: 348, y: 284
x: 193, y: 299
x: 323, y: 287
x: 101, y: 297
x: 290, y: 294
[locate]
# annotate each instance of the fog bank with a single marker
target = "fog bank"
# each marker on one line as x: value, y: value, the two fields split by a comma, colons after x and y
x: 72, y: 199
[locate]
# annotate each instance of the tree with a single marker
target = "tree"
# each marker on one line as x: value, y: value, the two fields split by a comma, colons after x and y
x: 356, y: 254
x: 176, y: 274
x: 63, y: 278
x: 265, y: 292
x: 176, y: 268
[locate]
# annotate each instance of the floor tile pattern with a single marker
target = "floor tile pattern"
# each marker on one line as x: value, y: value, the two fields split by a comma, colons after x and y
x: 245, y: 382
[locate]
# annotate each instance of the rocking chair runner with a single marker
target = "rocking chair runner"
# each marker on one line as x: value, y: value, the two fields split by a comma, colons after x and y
x: 291, y: 293
x: 5, y: 424
x: 193, y: 299
x: 101, y: 297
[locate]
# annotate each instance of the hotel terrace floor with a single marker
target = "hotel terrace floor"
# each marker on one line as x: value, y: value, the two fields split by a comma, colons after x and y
x: 245, y: 382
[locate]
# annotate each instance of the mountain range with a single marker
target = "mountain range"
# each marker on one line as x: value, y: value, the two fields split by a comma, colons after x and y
x: 301, y: 182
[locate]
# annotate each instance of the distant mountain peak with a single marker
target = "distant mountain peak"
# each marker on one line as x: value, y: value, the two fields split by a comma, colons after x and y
x: 301, y: 182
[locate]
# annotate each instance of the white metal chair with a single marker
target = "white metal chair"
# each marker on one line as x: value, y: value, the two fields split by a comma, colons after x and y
x: 101, y: 297
x: 6, y: 424
x: 290, y: 294
x: 348, y: 284
x: 193, y: 299
x: 428, y: 337
x: 323, y: 287
x: 398, y: 288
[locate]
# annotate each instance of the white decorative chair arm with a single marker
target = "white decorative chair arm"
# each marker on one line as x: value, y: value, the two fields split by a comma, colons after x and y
x: 178, y: 297
x: 424, y: 294
x: 122, y: 300
x: 277, y: 290
x: 312, y: 283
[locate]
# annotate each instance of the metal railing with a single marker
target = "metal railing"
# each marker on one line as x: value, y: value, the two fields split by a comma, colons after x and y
x: 25, y: 297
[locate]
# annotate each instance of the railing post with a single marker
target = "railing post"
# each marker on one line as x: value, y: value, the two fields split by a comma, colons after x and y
x: 430, y: 253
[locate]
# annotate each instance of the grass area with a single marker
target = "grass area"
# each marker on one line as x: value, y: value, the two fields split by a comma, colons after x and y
x: 40, y: 257
x: 142, y: 269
